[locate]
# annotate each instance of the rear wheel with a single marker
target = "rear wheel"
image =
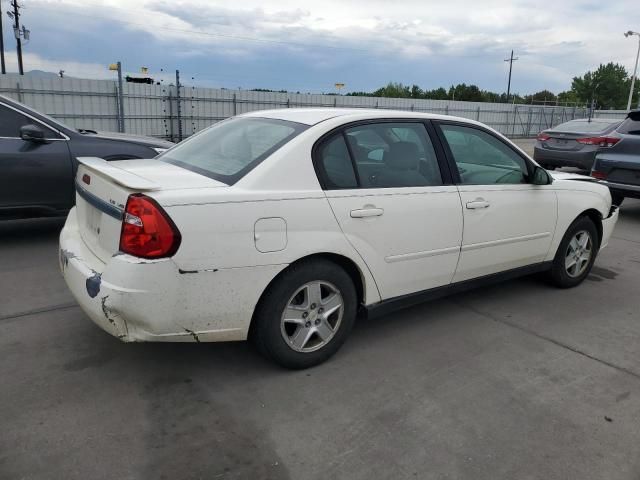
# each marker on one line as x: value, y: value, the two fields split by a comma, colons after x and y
x: 576, y: 254
x: 306, y: 315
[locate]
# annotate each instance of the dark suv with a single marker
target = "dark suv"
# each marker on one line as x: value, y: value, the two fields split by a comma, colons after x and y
x: 38, y: 159
x: 618, y: 166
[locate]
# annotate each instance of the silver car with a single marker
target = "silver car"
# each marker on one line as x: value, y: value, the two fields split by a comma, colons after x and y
x: 574, y: 143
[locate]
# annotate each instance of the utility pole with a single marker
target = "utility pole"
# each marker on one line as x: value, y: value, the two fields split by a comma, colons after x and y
x: 16, y: 31
x: 4, y: 69
x: 511, y: 59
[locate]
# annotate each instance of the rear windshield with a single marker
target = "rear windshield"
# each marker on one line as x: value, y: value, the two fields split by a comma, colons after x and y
x: 228, y: 150
x: 631, y: 126
x: 594, y: 126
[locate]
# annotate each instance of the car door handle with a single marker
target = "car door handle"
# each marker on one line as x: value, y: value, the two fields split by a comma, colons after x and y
x: 478, y: 203
x: 366, y: 212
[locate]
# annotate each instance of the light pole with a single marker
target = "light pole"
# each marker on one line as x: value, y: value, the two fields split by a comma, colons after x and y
x: 635, y: 69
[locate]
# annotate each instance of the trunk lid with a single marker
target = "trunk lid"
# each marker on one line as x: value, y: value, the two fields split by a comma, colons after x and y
x: 102, y: 189
x: 564, y: 141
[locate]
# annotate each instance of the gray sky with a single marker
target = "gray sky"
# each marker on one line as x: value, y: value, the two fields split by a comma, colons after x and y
x: 311, y: 45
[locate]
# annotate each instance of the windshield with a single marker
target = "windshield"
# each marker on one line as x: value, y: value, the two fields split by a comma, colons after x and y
x: 594, y: 126
x: 228, y: 150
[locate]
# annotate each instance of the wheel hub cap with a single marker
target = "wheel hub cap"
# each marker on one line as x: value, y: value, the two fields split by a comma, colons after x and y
x: 578, y: 254
x: 312, y: 316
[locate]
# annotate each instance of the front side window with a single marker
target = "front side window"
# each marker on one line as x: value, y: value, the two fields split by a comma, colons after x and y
x: 390, y: 155
x: 11, y: 121
x: 230, y: 149
x: 482, y: 159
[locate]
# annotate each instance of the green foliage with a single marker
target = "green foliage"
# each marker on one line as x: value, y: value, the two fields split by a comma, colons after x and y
x: 608, y: 86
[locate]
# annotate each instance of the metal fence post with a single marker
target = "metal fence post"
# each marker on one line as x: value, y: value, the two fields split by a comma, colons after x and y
x: 179, y: 106
x: 171, y: 115
x: 120, y: 100
x: 478, y: 114
x: 19, y: 92
x: 235, y: 105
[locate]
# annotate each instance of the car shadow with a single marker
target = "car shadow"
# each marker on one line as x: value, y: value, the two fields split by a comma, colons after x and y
x: 38, y: 229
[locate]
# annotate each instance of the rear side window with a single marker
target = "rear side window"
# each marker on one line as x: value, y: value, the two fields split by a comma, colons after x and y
x: 336, y: 164
x: 228, y: 150
x: 630, y: 126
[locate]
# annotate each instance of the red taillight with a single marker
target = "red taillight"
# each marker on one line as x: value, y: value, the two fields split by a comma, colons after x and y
x: 543, y: 137
x: 147, y: 231
x: 86, y: 179
x: 598, y: 175
x: 599, y: 141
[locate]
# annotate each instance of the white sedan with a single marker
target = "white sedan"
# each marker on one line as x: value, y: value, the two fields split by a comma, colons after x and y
x: 283, y: 225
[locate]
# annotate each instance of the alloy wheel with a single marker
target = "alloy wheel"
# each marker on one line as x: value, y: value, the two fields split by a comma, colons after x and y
x: 578, y: 254
x: 312, y: 316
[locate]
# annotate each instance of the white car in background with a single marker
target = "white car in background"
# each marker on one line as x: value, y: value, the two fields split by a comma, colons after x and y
x: 282, y: 225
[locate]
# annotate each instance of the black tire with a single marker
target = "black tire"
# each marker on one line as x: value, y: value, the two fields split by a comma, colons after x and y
x: 546, y: 166
x: 266, y: 330
x: 559, y: 275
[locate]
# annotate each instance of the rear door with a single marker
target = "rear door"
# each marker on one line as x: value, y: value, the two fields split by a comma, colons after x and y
x: 508, y: 222
x: 33, y: 174
x: 394, y: 203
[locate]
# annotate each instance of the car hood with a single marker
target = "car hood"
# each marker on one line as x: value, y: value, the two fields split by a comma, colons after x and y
x: 571, y: 176
x: 126, y: 137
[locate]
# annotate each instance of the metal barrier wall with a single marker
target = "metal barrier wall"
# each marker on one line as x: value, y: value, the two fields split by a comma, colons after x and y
x: 154, y: 109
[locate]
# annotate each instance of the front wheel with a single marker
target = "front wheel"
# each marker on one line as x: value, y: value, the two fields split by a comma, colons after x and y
x: 576, y: 254
x: 306, y: 315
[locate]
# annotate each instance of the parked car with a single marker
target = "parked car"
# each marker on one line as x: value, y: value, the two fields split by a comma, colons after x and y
x: 574, y: 143
x: 619, y: 166
x: 280, y: 226
x: 37, y: 159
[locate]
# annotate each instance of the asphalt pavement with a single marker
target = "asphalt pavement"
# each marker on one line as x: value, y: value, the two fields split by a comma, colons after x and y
x: 514, y: 381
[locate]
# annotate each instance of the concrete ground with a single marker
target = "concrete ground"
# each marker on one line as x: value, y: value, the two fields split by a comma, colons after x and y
x: 514, y: 381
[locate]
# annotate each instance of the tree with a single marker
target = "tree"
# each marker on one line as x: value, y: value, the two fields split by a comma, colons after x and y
x: 394, y: 90
x: 541, y: 97
x: 608, y: 86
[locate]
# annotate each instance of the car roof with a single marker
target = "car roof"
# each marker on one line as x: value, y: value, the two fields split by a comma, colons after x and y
x: 595, y: 120
x: 312, y: 116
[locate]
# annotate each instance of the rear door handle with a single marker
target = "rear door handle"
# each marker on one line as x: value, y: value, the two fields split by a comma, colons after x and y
x: 366, y: 212
x: 478, y: 203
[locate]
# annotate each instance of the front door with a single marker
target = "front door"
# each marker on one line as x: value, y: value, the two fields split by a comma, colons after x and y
x: 508, y: 221
x: 33, y: 175
x: 385, y: 187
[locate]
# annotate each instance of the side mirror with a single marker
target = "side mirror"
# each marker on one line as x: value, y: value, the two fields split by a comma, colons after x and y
x: 541, y: 177
x: 32, y: 133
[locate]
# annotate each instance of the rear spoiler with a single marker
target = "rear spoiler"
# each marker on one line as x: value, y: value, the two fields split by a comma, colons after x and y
x: 117, y: 174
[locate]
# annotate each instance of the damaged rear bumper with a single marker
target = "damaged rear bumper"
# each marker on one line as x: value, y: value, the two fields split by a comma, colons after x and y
x: 154, y: 300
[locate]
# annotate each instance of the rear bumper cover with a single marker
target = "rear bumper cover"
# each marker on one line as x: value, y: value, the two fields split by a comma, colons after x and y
x: 624, y: 189
x: 140, y: 300
x: 559, y: 158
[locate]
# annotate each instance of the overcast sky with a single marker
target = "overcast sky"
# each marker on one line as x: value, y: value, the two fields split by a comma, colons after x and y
x: 311, y: 45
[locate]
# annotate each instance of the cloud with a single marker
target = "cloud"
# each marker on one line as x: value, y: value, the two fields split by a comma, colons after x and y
x: 365, y: 43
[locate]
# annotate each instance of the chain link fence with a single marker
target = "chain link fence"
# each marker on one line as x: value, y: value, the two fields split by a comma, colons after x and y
x: 173, y: 112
